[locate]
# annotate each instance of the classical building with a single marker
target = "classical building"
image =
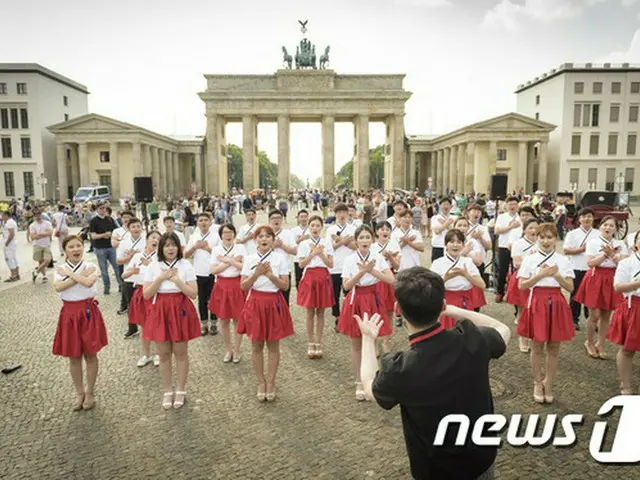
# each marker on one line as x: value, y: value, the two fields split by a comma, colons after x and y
x: 33, y: 97
x: 93, y: 149
x: 464, y: 160
x: 596, y: 111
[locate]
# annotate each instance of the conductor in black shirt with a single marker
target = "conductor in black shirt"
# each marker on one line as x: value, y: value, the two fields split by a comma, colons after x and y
x: 443, y: 372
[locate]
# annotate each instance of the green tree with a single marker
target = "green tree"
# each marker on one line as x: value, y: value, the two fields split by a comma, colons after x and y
x: 268, y: 171
x: 297, y: 182
x: 234, y: 165
x: 344, y: 176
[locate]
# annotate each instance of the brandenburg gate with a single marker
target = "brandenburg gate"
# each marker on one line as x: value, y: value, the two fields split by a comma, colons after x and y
x: 304, y: 94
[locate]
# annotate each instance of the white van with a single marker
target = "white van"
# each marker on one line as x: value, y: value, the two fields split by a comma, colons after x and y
x: 92, y: 193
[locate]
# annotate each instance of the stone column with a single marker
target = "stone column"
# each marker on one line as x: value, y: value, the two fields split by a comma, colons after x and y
x: 439, y: 188
x: 395, y: 175
x: 155, y: 168
x: 453, y: 165
x: 447, y: 167
x: 136, y: 158
x: 162, y: 173
x: 284, y: 166
x: 198, y: 161
x: 361, y: 167
x: 493, y: 158
x: 469, y: 166
x: 328, y: 152
x: 530, y: 168
x: 148, y: 162
x: 249, y: 154
x: 168, y: 183
x: 521, y: 166
x: 83, y: 160
x: 75, y: 167
x: 216, y: 169
x: 460, y: 162
x: 63, y: 184
x: 542, y: 166
x: 431, y: 168
x: 177, y: 185
x: 424, y: 172
x: 412, y: 170
x: 115, y: 169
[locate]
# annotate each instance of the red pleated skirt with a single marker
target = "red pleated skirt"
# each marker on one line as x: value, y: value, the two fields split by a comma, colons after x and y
x: 315, y: 289
x: 361, y: 300
x: 477, y: 297
x: 625, y: 324
x: 596, y: 290
x: 515, y: 296
x: 138, y: 307
x: 171, y: 317
x: 546, y: 317
x: 458, y: 298
x: 387, y: 296
x: 227, y: 298
x: 80, y: 329
x: 265, y: 317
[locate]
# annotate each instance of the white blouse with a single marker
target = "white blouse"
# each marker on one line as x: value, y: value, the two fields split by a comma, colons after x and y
x: 532, y: 264
x: 305, y: 247
x: 577, y: 238
x: 350, y: 268
x: 77, y: 292
x: 236, y: 250
x: 391, y: 246
x: 437, y: 239
x: 523, y: 248
x: 297, y: 232
x: 279, y: 266
x: 202, y: 258
x: 342, y: 252
x: 186, y: 272
x: 628, y: 271
x: 136, y: 262
x: 409, y: 256
x: 128, y: 243
x: 286, y: 237
x: 456, y: 284
x: 477, y: 248
x: 503, y: 220
x: 594, y: 247
x: 246, y: 231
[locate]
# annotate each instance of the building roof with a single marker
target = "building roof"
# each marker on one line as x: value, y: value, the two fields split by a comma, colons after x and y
x: 578, y: 68
x: 45, y: 72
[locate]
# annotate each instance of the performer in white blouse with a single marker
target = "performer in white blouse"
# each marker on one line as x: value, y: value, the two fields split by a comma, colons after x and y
x: 546, y: 319
x: 625, y: 324
x: 246, y: 233
x: 285, y: 243
x: 596, y: 291
x: 575, y: 246
x: 440, y: 225
x: 300, y: 234
x: 172, y: 319
x: 474, y: 249
x: 134, y: 272
x: 505, y: 223
x: 341, y: 236
x: 227, y: 299
x: 266, y: 317
x: 353, y: 219
x: 81, y: 332
x: 131, y: 244
x: 409, y: 240
x: 361, y: 272
x: 315, y: 293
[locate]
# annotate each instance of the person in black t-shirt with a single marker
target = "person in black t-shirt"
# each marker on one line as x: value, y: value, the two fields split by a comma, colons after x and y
x: 443, y: 372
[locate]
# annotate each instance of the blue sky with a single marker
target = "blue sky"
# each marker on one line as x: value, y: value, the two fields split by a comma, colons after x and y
x: 144, y: 61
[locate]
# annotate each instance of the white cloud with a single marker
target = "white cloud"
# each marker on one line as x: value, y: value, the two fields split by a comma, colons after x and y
x: 426, y: 3
x: 631, y: 55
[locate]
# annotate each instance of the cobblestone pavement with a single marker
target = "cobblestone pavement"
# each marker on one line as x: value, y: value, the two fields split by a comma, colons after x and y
x: 315, y: 429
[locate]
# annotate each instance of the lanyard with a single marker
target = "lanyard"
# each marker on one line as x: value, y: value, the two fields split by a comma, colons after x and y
x: 172, y: 264
x: 227, y: 251
x: 383, y: 247
x: 262, y: 258
x: 133, y: 245
x: 531, y: 244
x: 341, y: 229
x: 454, y: 262
x: 363, y: 259
x: 586, y: 236
x: 249, y: 231
x: 73, y: 269
x: 204, y: 237
x: 544, y: 260
x: 316, y: 241
x: 147, y: 257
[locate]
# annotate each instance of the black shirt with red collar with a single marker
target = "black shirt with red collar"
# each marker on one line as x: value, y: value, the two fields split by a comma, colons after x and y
x: 444, y: 372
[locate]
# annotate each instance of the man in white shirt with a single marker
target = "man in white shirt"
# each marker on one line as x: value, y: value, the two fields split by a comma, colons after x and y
x: 9, y: 232
x: 440, y: 225
x: 40, y: 233
x: 117, y: 236
x: 575, y: 246
x: 342, y: 237
x: 505, y: 223
x: 170, y: 227
x: 131, y: 243
x: 61, y: 227
x: 245, y: 235
x: 300, y: 234
x: 353, y: 216
x: 399, y: 208
x: 285, y: 243
x: 201, y: 243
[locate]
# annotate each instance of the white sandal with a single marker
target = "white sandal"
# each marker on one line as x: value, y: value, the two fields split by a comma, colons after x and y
x: 167, y: 404
x: 360, y: 395
x: 177, y: 403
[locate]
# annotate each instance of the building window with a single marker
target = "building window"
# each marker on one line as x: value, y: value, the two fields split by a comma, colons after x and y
x: 597, y: 87
x: 616, y: 87
x: 594, y: 144
x: 9, y: 185
x: 633, y: 114
x: 614, y: 113
x: 4, y: 117
x: 537, y: 99
x: 628, y: 179
x: 537, y: 116
x: 66, y: 117
x: 535, y: 152
x: 65, y: 101
x: 610, y: 180
x: 104, y: 157
x: 592, y: 176
x: 578, y: 87
x: 28, y: 183
x: 6, y: 147
x: 575, y: 144
x: 25, y: 144
x: 574, y: 177
x: 577, y: 114
x: 635, y: 87
x: 612, y: 147
x: 105, y: 180
x: 595, y: 115
x: 14, y: 118
x: 502, y: 155
x: 21, y: 88
x: 3, y: 88
x: 586, y: 115
x: 24, y: 118
x: 631, y: 144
